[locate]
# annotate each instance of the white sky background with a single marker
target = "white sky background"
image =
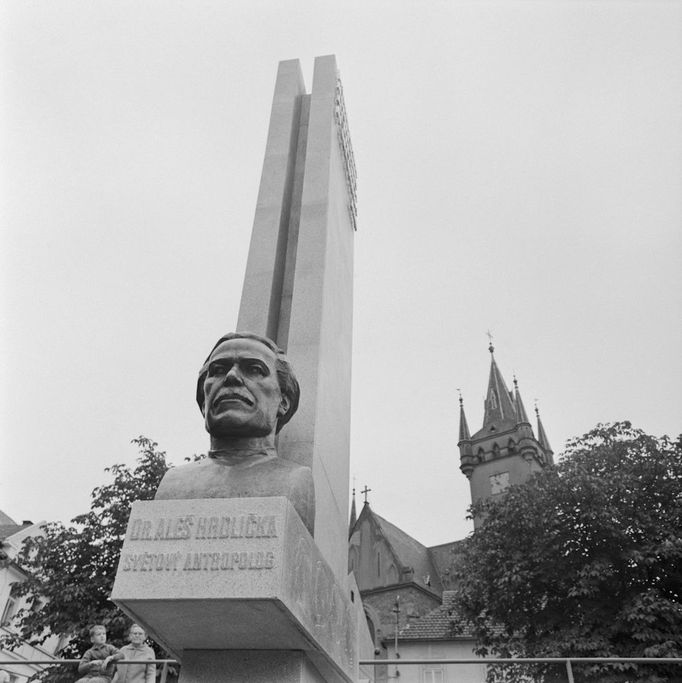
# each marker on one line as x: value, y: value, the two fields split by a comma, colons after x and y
x: 519, y: 169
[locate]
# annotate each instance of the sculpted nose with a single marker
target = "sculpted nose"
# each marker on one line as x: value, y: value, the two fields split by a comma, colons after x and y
x: 233, y: 377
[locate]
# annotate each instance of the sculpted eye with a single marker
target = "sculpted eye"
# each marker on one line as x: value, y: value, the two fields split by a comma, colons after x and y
x: 217, y: 369
x: 257, y: 369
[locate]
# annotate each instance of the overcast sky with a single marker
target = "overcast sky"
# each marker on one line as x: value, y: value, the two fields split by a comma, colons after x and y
x: 519, y: 170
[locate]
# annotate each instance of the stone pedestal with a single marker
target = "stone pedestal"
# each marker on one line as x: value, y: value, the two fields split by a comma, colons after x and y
x: 220, y: 580
x: 254, y: 666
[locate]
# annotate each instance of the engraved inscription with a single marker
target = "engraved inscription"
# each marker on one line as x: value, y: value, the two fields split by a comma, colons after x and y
x: 196, y: 527
x: 148, y: 562
x: 236, y: 560
x: 347, y: 152
x: 190, y: 526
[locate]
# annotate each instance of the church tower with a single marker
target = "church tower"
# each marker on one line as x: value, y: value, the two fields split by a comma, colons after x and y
x: 505, y: 450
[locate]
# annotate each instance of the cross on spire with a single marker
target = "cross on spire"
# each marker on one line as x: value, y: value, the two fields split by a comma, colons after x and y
x: 491, y: 348
x: 365, y: 491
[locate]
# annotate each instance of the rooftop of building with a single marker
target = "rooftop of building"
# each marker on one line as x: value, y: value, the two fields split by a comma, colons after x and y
x: 442, y: 623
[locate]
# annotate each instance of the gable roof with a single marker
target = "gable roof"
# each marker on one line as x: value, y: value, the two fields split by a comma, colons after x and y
x: 445, y: 558
x: 408, y: 553
x: 442, y: 623
x: 411, y: 554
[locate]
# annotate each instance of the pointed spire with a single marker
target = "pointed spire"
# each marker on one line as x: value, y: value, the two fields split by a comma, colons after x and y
x: 464, y: 434
x: 521, y: 415
x: 498, y: 402
x: 542, y: 436
x: 353, y: 515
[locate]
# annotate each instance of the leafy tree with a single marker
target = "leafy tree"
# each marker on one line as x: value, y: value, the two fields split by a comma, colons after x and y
x: 583, y: 560
x: 71, y: 569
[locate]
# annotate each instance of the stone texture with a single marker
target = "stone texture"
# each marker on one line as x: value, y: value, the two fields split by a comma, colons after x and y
x: 320, y: 335
x: 224, y: 574
x: 261, y: 294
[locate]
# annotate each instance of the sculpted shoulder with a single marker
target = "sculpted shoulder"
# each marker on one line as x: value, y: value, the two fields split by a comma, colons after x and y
x: 208, y: 478
x: 176, y: 478
x: 214, y: 479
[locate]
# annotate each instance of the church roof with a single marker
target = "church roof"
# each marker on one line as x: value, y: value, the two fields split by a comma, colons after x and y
x: 353, y: 516
x: 445, y: 558
x: 408, y: 552
x: 464, y: 433
x: 499, y: 407
x: 542, y: 437
x: 411, y: 553
x: 442, y: 623
x: 521, y: 415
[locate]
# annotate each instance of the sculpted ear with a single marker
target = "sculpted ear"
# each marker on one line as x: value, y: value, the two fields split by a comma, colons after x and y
x: 284, y: 405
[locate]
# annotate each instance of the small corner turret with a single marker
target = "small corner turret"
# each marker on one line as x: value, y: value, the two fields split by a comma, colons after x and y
x: 467, y: 458
x: 505, y: 450
x: 353, y: 516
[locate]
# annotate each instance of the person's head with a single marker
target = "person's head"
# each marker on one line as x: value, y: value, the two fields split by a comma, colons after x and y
x: 136, y: 634
x: 246, y: 387
x: 98, y: 634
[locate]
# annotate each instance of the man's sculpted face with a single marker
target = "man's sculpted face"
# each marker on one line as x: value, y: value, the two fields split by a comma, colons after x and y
x: 243, y: 397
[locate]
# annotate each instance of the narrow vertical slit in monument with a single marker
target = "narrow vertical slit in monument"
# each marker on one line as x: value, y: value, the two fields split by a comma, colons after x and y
x: 294, y: 222
x: 274, y: 311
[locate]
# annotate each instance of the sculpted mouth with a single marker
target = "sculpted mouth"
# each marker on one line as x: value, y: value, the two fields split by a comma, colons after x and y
x: 226, y: 398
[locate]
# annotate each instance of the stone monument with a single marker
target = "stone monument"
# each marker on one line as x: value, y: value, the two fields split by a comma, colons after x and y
x: 239, y: 565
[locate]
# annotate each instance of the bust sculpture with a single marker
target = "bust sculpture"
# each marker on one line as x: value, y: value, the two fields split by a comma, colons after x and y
x: 247, y: 392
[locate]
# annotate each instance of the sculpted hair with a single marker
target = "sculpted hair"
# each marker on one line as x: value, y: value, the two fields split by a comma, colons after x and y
x: 288, y: 384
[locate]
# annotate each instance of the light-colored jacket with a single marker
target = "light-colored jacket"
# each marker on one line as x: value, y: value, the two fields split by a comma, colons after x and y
x: 136, y: 673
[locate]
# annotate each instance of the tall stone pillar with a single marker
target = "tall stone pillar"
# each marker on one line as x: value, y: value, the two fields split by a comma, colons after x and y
x: 298, y: 288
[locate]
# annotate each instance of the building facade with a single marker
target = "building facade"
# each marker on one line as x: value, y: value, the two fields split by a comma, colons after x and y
x: 12, y: 536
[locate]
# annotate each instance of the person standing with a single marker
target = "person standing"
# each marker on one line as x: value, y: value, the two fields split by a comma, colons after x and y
x: 137, y: 650
x: 98, y: 663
